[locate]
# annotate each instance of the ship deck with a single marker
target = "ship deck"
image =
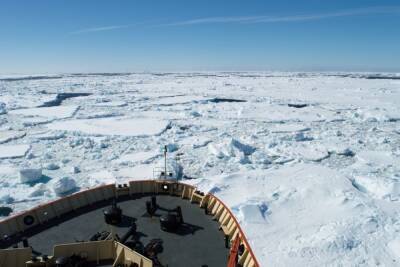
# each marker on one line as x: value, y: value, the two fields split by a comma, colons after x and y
x: 198, y: 242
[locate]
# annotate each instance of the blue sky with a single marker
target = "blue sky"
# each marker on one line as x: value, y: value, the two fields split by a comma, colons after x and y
x: 49, y: 36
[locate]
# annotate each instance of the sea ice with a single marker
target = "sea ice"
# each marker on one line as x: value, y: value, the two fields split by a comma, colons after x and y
x: 394, y: 246
x: 64, y: 185
x: 139, y: 172
x: 246, y: 149
x: 30, y: 175
x: 51, y: 135
x: 3, y: 109
x: 195, y: 141
x: 230, y: 148
x: 111, y: 104
x: 177, y: 100
x: 137, y: 157
x: 7, y: 169
x: 377, y: 158
x: 34, y: 121
x: 75, y: 170
x: 59, y: 112
x: 377, y: 187
x: 52, y: 166
x: 38, y: 190
x: 100, y: 177
x: 6, y: 199
x: 13, y: 151
x: 6, y: 136
x: 310, y: 153
x: 250, y: 213
x: 112, y: 126
x: 311, y: 186
x: 289, y: 128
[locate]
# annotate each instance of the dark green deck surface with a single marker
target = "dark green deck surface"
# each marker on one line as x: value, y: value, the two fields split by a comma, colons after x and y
x: 197, y: 243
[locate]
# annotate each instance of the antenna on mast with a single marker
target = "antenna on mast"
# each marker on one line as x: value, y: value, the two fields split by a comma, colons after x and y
x: 165, y: 161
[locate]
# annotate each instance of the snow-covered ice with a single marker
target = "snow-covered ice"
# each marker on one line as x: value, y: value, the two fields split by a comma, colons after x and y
x: 47, y: 112
x: 312, y: 185
x: 138, y: 156
x: 111, y: 104
x: 6, y: 136
x: 289, y: 128
x: 13, y: 151
x: 64, y: 185
x: 136, y: 173
x: 30, y: 175
x: 3, y: 109
x: 112, y: 126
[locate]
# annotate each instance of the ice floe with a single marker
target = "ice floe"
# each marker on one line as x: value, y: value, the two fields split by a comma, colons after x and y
x: 112, y: 126
x: 177, y: 100
x: 59, y: 112
x: 3, y: 109
x: 30, y: 175
x: 64, y: 185
x: 13, y: 151
x: 6, y: 136
x: 311, y: 153
x: 137, y: 157
x: 139, y: 172
x: 314, y: 185
x: 288, y: 128
x: 111, y: 104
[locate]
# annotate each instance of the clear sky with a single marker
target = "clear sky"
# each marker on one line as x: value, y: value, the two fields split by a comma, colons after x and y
x: 50, y: 36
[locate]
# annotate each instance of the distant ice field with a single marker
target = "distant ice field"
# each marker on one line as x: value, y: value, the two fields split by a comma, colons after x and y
x: 309, y: 163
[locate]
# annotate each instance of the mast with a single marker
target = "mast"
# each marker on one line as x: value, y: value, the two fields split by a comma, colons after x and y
x: 165, y: 161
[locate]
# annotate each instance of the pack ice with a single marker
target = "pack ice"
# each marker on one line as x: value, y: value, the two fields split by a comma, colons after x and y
x: 309, y: 163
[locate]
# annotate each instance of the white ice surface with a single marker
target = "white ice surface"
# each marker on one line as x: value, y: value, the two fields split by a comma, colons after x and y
x: 112, y: 126
x: 7, y: 170
x: 111, y: 104
x: 6, y: 136
x: 99, y: 178
x: 311, y: 216
x: 139, y: 172
x: 30, y: 175
x: 310, y: 153
x: 171, y: 100
x: 64, y: 185
x: 13, y: 151
x: 59, y: 112
x: 311, y: 186
x: 287, y: 128
x: 137, y: 157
